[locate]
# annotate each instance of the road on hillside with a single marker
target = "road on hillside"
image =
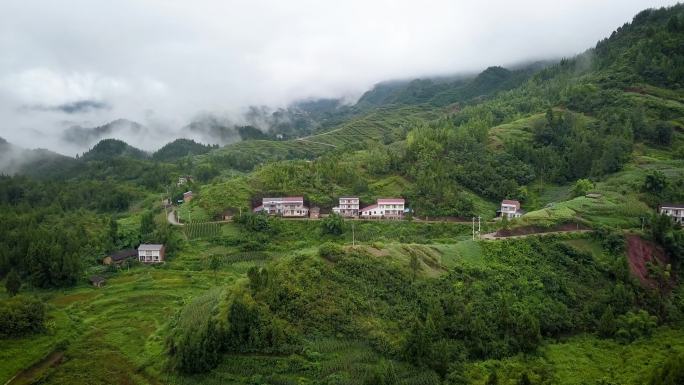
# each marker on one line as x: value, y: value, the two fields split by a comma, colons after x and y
x: 171, y: 217
x: 493, y: 236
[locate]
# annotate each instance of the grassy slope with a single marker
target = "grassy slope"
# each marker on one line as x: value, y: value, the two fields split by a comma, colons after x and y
x: 117, y: 333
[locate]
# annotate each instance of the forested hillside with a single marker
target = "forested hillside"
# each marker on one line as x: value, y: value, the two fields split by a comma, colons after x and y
x: 584, y: 288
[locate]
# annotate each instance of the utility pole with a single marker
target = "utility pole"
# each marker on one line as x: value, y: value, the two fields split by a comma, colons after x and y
x: 642, y: 223
x: 478, y: 226
x: 473, y: 228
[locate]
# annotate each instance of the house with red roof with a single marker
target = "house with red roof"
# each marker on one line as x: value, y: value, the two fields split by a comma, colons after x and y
x: 385, y: 208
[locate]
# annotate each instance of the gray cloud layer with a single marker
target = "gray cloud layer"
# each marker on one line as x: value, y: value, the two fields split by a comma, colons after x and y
x: 161, y: 62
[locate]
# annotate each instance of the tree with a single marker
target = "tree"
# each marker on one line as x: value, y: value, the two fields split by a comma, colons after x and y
x: 215, y: 263
x: 582, y: 187
x: 333, y: 225
x: 146, y: 224
x: 655, y: 182
x: 607, y: 326
x: 13, y: 283
x: 113, y: 234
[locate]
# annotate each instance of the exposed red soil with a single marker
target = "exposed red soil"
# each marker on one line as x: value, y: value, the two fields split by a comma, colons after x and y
x: 637, y: 90
x: 639, y: 253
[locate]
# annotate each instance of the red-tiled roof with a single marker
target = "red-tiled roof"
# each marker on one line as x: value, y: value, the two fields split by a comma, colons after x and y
x: 390, y: 201
x: 511, y: 202
x: 371, y: 207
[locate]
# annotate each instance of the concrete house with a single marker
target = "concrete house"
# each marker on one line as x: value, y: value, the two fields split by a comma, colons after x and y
x: 151, y: 253
x: 187, y: 196
x: 676, y: 211
x: 510, y: 209
x: 347, y: 207
x: 386, y: 208
x: 288, y: 207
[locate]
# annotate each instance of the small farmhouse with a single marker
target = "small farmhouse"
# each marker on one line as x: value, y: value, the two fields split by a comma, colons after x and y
x: 119, y: 257
x: 292, y: 207
x: 348, y: 207
x: 676, y: 211
x: 151, y: 253
x: 187, y: 196
x: 510, y: 209
x: 386, y: 208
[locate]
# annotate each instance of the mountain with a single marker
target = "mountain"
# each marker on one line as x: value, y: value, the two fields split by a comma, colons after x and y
x: 444, y: 91
x: 180, y: 148
x: 108, y: 149
x: 86, y: 136
x: 35, y: 162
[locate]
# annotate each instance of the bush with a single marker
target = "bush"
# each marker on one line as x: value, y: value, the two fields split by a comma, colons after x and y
x: 670, y: 373
x: 333, y: 225
x: 582, y: 187
x: 632, y: 326
x: 20, y: 316
x: 331, y: 251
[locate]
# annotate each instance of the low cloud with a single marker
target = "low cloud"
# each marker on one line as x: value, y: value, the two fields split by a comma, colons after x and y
x: 77, y: 107
x: 161, y: 63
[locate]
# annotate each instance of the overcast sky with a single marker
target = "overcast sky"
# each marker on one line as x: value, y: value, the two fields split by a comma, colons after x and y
x: 160, y: 62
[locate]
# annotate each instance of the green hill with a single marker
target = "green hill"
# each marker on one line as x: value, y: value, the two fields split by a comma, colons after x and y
x: 588, y: 291
x: 180, y: 148
x: 107, y: 149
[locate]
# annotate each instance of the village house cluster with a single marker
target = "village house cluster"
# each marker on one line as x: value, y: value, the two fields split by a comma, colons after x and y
x: 348, y: 207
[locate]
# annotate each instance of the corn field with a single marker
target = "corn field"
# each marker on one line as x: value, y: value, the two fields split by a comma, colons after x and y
x: 202, y: 230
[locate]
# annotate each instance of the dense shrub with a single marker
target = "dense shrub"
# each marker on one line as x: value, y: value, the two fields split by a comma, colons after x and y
x: 333, y: 224
x: 632, y: 326
x: 669, y: 373
x: 331, y: 251
x: 20, y: 316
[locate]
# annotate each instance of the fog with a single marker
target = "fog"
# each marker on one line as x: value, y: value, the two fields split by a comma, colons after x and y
x: 161, y: 63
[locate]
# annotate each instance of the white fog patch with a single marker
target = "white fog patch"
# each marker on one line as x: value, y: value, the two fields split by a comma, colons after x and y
x: 163, y: 63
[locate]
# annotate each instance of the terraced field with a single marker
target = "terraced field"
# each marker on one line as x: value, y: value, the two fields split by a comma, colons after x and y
x: 384, y: 125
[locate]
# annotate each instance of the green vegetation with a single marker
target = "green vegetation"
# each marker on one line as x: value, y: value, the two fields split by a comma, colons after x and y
x: 591, y: 143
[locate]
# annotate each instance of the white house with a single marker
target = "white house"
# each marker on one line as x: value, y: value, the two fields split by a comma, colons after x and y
x: 150, y: 253
x: 389, y: 208
x: 348, y: 207
x: 284, y: 206
x: 510, y: 209
x: 676, y: 211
